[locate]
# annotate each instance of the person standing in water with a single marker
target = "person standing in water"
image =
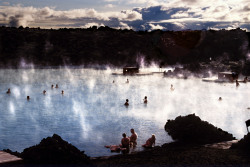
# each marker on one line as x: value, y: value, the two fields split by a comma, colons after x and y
x: 172, y: 87
x: 126, y: 103
x: 145, y: 100
x: 127, y: 81
x: 133, y: 138
x: 237, y: 83
x: 8, y: 91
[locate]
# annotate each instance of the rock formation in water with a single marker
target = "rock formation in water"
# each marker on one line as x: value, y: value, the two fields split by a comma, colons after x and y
x: 191, y: 129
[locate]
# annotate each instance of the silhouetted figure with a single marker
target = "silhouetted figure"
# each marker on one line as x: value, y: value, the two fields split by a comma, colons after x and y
x: 248, y: 124
x: 57, y: 86
x: 172, y: 87
x: 113, y: 81
x: 124, y: 146
x: 125, y: 141
x: 133, y: 138
x: 52, y: 86
x: 44, y: 92
x: 62, y: 92
x: 145, y: 100
x: 245, y: 80
x: 127, y: 81
x: 237, y: 83
x: 150, y: 142
x: 126, y: 103
x: 28, y: 98
x: 8, y: 91
x: 220, y: 98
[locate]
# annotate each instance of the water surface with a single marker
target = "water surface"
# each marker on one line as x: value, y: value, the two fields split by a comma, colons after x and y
x: 91, y: 113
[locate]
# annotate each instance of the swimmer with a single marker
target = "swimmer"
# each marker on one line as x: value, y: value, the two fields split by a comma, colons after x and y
x: 245, y: 80
x: 125, y: 141
x: 113, y: 81
x: 52, y: 86
x: 150, y: 142
x: 28, y: 98
x: 8, y: 91
x: 133, y: 137
x: 237, y: 83
x: 127, y: 81
x: 62, y: 92
x: 57, y: 86
x: 126, y: 103
x: 220, y: 98
x: 124, y: 146
x: 145, y: 100
x: 172, y: 87
x: 44, y: 92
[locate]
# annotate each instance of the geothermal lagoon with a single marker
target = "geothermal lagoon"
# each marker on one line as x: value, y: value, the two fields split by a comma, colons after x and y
x: 91, y: 112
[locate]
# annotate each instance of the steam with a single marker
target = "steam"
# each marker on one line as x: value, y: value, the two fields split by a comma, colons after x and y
x: 92, y: 106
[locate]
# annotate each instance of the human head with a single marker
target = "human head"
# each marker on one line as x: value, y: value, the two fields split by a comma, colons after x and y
x: 153, y: 136
x: 145, y: 97
x: 126, y: 100
x: 124, y: 135
x: 132, y: 130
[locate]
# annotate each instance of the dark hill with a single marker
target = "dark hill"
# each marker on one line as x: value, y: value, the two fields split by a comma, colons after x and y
x: 106, y: 46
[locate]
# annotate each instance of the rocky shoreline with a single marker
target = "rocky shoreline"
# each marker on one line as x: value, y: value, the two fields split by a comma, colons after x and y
x: 183, y: 152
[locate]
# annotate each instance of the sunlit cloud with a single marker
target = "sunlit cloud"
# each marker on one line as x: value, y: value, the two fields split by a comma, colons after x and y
x: 24, y: 16
x: 180, y: 14
x: 156, y: 27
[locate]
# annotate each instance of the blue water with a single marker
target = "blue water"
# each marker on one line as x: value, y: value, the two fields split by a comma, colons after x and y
x: 91, y: 113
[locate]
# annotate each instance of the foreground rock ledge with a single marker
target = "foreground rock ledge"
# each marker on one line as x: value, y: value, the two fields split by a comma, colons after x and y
x: 54, y: 150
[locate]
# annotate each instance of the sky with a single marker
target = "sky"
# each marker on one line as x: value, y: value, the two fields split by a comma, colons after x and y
x: 123, y: 14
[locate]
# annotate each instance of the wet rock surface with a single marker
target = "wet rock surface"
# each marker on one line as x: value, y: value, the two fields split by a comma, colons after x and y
x: 191, y: 129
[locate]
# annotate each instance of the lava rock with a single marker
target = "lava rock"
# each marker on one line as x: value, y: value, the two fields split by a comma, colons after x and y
x: 191, y: 129
x: 54, y: 150
x: 243, y: 144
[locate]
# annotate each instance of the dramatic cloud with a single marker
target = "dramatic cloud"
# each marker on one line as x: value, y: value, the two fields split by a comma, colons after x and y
x: 155, y: 14
x: 25, y: 16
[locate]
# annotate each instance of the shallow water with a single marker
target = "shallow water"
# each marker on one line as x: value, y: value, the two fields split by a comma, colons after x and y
x: 91, y: 113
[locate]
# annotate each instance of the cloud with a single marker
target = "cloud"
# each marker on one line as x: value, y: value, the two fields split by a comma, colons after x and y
x: 124, y: 26
x: 6, y: 3
x: 156, y: 27
x: 25, y: 16
x: 88, y: 25
x: 156, y: 14
x: 109, y: 6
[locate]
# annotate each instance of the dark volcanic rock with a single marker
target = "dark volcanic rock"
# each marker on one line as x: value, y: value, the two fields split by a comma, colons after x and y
x: 191, y: 129
x: 243, y: 144
x: 54, y: 150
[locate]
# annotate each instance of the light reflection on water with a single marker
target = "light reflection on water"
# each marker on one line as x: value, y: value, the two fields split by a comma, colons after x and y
x: 91, y: 113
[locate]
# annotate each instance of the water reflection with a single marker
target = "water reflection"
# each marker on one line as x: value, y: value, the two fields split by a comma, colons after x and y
x: 91, y: 112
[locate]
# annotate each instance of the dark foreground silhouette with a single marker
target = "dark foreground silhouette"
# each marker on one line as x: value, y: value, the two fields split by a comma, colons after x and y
x: 54, y: 150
